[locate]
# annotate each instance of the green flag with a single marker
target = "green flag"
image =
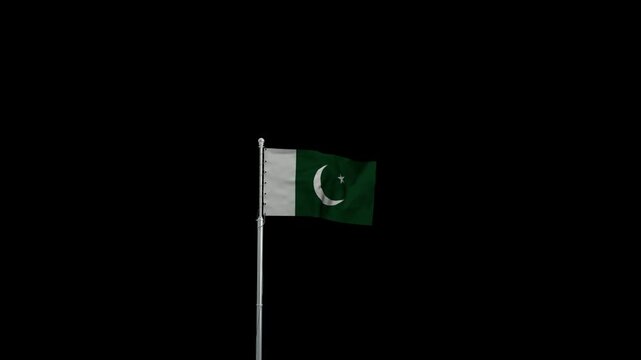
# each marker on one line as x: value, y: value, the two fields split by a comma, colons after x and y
x: 311, y: 183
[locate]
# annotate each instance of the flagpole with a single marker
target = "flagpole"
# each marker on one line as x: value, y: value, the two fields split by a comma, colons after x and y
x: 260, y: 222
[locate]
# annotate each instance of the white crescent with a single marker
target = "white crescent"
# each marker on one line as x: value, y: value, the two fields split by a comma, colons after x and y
x: 319, y: 190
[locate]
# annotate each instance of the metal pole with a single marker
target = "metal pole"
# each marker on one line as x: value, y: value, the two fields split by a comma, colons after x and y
x: 259, y: 290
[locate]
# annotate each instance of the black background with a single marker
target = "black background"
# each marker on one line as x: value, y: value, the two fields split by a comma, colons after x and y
x: 153, y: 243
x: 142, y: 204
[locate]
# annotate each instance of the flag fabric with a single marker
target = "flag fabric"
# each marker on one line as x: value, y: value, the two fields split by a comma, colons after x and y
x: 311, y: 183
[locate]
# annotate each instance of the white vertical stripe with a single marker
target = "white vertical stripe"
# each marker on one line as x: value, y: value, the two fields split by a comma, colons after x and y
x: 280, y: 182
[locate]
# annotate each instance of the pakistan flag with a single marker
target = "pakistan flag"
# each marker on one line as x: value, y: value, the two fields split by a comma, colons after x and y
x: 310, y: 183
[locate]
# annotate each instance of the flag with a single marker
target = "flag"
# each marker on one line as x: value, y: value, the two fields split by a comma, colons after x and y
x: 311, y: 183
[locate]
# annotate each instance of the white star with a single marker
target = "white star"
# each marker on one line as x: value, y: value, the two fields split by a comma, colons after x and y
x: 341, y: 177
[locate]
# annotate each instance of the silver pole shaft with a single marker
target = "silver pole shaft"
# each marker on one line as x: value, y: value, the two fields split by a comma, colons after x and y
x: 259, y: 290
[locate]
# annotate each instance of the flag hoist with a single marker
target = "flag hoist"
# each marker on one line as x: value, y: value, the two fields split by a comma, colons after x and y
x: 260, y: 222
x: 295, y: 182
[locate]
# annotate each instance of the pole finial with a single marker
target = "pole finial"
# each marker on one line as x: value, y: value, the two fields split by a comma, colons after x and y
x: 261, y: 141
